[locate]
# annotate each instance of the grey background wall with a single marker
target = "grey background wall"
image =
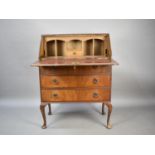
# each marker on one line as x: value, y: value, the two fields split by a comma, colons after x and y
x: 133, y: 46
x: 133, y: 96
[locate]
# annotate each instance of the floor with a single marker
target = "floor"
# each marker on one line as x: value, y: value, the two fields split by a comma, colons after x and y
x: 23, y: 117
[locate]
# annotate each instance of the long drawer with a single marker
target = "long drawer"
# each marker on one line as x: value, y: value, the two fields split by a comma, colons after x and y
x: 79, y: 70
x: 76, y: 95
x: 74, y: 81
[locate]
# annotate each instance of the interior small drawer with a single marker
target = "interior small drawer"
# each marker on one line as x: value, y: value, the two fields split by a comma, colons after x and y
x: 78, y: 95
x: 75, y: 81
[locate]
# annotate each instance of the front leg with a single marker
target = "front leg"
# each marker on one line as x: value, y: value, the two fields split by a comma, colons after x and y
x: 42, y: 109
x: 109, y: 105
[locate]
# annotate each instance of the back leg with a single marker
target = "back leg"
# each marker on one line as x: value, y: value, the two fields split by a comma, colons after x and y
x: 50, y: 111
x: 103, y: 110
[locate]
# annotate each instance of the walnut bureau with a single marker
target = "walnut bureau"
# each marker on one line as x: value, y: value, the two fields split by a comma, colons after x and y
x: 75, y: 68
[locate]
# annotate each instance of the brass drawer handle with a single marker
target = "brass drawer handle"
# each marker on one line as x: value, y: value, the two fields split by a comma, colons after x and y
x: 95, y: 81
x: 94, y: 67
x: 55, y: 81
x: 95, y: 95
x: 54, y: 95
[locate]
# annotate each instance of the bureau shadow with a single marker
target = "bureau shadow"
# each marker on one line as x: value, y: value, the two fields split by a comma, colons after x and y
x: 75, y: 115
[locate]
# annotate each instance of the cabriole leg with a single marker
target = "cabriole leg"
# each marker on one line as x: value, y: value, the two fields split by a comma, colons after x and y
x: 50, y: 111
x: 42, y: 109
x: 109, y: 105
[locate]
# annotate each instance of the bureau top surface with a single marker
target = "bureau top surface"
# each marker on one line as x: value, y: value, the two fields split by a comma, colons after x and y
x: 78, y: 61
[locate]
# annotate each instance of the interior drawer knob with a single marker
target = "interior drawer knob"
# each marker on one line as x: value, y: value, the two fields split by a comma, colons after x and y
x: 95, y: 95
x: 95, y: 81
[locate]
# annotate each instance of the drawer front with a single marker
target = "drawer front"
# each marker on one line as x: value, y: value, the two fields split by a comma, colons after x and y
x: 75, y: 81
x: 79, y: 95
x: 79, y: 70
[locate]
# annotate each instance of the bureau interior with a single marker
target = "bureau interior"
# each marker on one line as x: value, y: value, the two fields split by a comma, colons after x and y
x: 76, y: 46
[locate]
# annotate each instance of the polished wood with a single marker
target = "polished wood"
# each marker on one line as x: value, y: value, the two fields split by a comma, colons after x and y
x: 42, y: 109
x: 109, y: 105
x: 78, y: 61
x: 69, y: 95
x: 79, y: 70
x: 75, y: 81
x: 75, y: 68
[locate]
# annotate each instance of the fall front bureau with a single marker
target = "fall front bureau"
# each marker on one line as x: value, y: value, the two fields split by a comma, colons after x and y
x: 75, y: 68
